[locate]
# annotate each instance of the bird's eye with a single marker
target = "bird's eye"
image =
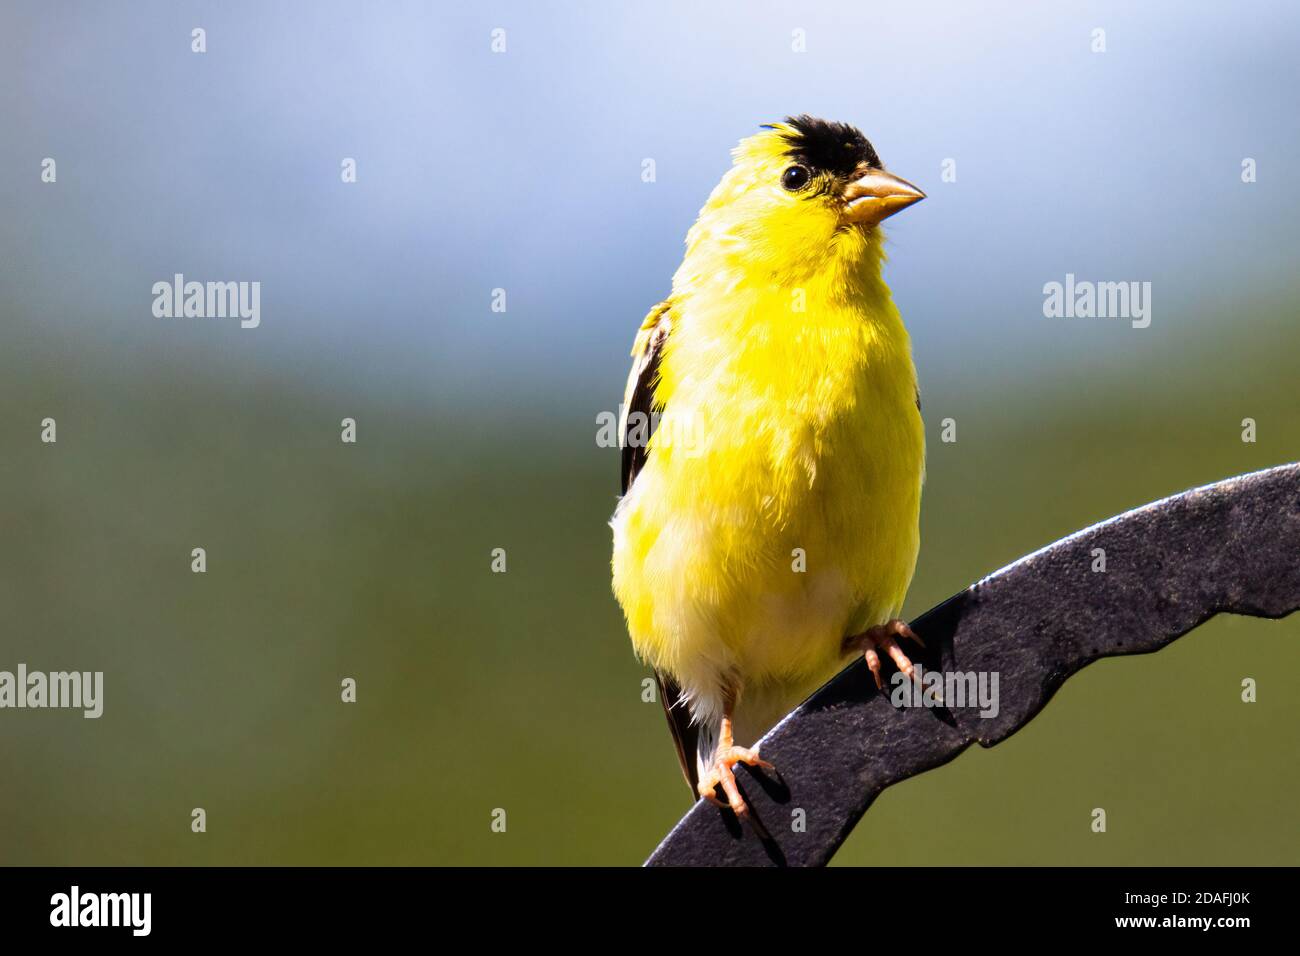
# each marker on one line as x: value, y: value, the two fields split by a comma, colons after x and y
x: 795, y: 178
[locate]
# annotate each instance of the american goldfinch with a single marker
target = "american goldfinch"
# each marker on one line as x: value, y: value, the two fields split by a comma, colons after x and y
x: 773, y: 449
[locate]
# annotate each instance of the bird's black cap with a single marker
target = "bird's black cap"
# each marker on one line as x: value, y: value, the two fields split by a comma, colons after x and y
x: 825, y: 146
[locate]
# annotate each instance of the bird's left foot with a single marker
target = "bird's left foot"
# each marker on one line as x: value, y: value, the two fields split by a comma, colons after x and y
x: 884, y: 637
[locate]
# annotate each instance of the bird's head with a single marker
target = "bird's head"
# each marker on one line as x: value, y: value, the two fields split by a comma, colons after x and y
x: 798, y: 192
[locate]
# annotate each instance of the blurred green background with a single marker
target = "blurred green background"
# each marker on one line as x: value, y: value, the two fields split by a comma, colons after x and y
x: 518, y: 690
x: 476, y: 430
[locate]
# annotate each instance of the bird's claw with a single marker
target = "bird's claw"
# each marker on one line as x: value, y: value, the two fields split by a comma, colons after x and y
x: 721, y: 775
x: 885, y: 637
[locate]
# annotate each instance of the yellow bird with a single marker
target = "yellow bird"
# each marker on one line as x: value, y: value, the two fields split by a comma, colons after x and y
x: 773, y: 449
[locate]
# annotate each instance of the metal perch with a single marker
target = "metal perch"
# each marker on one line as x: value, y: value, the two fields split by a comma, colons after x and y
x: 1229, y: 547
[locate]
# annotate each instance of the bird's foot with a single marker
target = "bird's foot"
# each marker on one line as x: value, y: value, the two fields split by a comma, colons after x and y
x: 884, y: 637
x: 721, y: 775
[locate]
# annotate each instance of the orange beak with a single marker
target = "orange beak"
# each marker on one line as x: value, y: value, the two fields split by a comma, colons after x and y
x: 873, y: 198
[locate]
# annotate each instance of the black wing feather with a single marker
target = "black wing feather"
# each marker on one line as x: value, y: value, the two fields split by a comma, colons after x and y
x: 637, y: 424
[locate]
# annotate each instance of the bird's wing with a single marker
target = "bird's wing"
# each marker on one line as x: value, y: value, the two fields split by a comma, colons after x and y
x: 686, y: 735
x: 636, y: 422
x: 636, y: 418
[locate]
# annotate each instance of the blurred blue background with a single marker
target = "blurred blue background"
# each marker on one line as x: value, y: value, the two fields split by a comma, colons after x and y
x: 521, y: 170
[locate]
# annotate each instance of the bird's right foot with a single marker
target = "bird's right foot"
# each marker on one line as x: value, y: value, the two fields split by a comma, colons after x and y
x: 721, y: 775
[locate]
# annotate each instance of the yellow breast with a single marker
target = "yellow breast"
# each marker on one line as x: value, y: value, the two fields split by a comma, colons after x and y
x: 778, y: 509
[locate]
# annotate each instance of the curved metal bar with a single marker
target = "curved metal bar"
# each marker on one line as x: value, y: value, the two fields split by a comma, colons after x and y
x: 1229, y: 547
